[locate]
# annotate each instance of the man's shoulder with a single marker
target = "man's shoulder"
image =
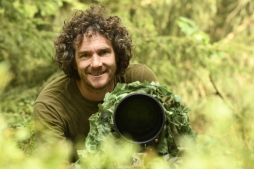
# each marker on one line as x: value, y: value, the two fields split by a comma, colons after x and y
x: 136, y: 66
x: 54, y: 89
x: 58, y: 81
x: 138, y: 69
x: 137, y: 72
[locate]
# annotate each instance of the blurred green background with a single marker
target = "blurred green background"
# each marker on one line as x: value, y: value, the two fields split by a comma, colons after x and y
x: 202, y: 50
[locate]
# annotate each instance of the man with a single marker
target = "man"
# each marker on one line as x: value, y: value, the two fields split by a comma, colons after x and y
x: 94, y: 51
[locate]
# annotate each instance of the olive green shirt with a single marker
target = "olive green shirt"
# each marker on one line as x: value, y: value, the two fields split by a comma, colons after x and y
x: 61, y: 109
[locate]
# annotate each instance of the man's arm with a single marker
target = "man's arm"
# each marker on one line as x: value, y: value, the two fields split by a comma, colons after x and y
x: 49, y: 128
x: 48, y: 125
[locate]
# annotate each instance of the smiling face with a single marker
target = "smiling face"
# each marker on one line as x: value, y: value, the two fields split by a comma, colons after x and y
x: 95, y: 63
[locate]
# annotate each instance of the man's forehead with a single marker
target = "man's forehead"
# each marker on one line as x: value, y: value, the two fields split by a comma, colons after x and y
x: 87, y: 36
x: 93, y: 41
x: 95, y: 36
x: 91, y: 33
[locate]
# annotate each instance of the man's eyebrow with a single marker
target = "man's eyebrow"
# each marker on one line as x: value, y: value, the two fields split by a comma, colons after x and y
x: 83, y: 51
x: 105, y: 48
x: 79, y: 53
x: 100, y: 49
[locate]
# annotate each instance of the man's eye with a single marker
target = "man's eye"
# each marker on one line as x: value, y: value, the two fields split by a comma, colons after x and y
x: 84, y: 55
x: 104, y: 52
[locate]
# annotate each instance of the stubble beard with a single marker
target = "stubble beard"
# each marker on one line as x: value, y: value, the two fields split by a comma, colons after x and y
x: 96, y: 89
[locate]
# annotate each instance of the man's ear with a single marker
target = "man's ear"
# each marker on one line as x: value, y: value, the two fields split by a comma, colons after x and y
x: 74, y: 64
x: 116, y: 58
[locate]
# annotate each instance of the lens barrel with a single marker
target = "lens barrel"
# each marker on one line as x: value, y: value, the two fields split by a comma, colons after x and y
x: 139, y: 118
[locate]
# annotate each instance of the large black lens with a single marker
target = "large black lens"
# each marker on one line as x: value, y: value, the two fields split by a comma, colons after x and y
x: 139, y: 118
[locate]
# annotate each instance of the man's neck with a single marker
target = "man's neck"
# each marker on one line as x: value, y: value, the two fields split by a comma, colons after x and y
x: 94, y: 94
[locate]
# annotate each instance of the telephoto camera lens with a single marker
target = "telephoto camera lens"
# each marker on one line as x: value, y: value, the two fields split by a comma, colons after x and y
x: 139, y: 118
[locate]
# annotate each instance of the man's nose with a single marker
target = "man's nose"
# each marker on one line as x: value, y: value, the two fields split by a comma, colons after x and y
x: 96, y: 61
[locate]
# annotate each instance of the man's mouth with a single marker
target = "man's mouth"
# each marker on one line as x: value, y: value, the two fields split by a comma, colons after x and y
x: 97, y: 73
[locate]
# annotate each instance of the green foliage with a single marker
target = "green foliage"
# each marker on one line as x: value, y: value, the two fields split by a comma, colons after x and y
x: 26, y: 38
x: 13, y: 158
x: 26, y: 48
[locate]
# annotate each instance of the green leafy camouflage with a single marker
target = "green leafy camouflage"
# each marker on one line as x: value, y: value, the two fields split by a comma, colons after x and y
x: 177, y: 121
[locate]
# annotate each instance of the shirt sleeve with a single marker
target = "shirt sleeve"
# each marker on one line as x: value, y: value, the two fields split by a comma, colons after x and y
x: 48, y: 125
x: 49, y: 128
x: 138, y: 72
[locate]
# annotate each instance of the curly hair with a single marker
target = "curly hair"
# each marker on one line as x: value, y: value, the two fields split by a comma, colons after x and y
x: 95, y: 18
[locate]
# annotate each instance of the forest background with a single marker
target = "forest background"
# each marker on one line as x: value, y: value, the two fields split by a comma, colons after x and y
x: 202, y: 50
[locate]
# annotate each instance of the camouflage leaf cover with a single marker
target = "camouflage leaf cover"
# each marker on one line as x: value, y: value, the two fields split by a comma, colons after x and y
x: 177, y: 120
